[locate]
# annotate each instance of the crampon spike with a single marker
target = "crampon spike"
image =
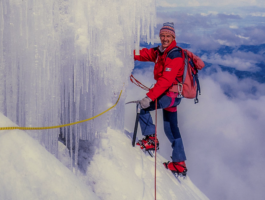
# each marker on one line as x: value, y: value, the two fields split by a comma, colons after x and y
x: 176, y: 173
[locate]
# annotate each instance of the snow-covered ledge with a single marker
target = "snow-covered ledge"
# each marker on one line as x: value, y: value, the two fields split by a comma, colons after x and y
x: 116, y: 171
x: 29, y: 171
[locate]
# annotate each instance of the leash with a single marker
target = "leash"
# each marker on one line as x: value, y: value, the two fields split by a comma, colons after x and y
x: 60, y: 126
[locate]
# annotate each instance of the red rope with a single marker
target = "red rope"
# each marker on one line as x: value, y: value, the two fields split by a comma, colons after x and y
x: 155, y: 142
x: 138, y: 83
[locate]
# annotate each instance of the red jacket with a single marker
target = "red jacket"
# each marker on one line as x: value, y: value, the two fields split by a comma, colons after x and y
x: 166, y: 68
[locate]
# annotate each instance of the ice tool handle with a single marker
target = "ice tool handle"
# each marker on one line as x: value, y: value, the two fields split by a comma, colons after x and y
x: 138, y: 110
x: 138, y: 107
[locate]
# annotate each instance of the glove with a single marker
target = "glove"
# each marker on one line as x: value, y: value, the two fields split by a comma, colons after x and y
x: 145, y: 102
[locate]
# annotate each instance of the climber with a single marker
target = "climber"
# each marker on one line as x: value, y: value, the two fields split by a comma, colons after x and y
x: 167, y: 68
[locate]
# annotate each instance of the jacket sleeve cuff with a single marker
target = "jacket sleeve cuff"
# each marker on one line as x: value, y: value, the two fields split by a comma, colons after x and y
x: 136, y: 57
x: 150, y: 96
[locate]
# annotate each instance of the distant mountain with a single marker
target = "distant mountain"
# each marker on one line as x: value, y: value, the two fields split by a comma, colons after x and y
x: 258, y: 76
x: 253, y: 48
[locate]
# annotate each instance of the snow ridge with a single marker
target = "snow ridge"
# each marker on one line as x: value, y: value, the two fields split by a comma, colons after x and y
x: 120, y: 171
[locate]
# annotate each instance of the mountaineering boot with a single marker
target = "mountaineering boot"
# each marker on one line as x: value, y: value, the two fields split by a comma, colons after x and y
x: 148, y: 143
x: 177, y: 167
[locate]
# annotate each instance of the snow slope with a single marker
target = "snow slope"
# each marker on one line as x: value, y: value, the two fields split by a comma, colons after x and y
x: 117, y: 171
x: 120, y: 171
x: 30, y: 172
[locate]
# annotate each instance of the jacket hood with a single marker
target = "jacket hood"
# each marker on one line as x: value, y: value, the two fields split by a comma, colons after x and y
x: 171, y: 46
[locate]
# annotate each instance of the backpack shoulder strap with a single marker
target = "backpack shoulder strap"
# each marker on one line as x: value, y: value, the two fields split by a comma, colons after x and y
x: 186, y: 60
x: 179, y: 52
x: 174, y: 52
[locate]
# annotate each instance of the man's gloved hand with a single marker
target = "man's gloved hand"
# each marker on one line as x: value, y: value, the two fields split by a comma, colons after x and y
x: 145, y: 102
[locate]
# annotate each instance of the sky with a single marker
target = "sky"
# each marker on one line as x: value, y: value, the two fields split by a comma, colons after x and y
x: 222, y: 134
x: 195, y: 3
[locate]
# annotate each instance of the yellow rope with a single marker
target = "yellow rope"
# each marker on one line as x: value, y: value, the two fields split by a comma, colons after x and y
x: 64, y: 125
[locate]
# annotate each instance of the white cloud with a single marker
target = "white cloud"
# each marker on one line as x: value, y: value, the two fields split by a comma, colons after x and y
x: 258, y: 14
x: 224, y: 42
x: 209, y: 13
x: 223, y: 137
x: 246, y: 88
x: 243, y: 61
x: 242, y: 37
x: 233, y: 26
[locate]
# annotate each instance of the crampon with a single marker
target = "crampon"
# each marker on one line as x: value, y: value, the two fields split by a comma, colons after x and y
x: 147, y: 144
x: 177, y: 168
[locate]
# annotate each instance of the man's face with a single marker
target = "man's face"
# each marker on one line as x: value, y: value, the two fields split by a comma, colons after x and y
x: 166, y: 39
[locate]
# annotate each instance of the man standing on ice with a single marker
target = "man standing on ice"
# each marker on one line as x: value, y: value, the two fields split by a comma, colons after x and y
x: 167, y: 68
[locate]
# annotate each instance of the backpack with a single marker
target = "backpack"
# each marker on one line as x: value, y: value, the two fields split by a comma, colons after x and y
x: 190, y: 85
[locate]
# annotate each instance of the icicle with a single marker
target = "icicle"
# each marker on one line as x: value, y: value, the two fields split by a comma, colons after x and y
x: 2, y: 86
x: 66, y: 61
x: 76, y: 147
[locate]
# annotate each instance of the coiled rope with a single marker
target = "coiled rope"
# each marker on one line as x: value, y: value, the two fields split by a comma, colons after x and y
x: 64, y: 125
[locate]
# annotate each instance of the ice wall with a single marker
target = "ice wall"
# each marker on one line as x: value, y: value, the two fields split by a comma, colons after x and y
x: 67, y: 60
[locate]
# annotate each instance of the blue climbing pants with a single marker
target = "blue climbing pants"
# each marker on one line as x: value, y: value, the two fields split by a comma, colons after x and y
x: 168, y: 104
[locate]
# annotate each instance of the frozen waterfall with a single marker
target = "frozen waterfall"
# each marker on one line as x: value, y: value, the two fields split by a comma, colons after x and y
x: 67, y: 60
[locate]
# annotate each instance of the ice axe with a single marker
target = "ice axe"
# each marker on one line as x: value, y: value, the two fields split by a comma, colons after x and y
x: 138, y: 110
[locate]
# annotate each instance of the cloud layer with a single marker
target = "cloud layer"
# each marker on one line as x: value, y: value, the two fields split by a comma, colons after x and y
x: 222, y: 135
x: 208, y: 29
x: 242, y: 61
